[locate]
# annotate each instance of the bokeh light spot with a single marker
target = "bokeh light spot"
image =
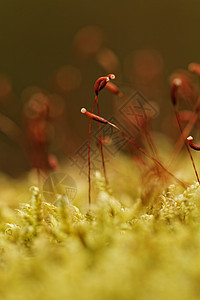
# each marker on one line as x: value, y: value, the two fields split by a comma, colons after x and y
x: 67, y: 78
x: 88, y: 40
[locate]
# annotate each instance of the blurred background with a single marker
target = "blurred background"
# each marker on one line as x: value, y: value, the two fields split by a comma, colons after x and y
x: 53, y: 51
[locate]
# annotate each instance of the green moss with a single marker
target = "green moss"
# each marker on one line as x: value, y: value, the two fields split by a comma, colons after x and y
x: 113, y: 250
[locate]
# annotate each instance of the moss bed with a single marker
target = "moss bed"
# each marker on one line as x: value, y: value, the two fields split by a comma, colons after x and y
x: 113, y: 250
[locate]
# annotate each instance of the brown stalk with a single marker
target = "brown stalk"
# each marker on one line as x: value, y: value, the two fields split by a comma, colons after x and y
x: 98, y: 86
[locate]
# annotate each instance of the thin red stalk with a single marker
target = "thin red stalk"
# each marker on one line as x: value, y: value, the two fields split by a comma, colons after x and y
x: 99, y: 85
x: 89, y: 150
x: 186, y: 132
x: 180, y: 142
x: 188, y: 149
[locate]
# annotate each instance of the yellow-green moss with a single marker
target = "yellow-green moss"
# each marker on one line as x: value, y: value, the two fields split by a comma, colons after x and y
x: 111, y: 251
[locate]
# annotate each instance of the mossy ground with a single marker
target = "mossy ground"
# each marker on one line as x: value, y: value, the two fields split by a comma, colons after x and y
x: 117, y: 249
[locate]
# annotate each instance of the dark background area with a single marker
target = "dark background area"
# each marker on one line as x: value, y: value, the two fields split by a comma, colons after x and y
x: 37, y: 38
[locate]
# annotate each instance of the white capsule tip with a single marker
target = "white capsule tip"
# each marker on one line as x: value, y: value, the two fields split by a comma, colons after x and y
x: 190, y: 138
x: 110, y: 76
x: 83, y: 110
x: 177, y: 81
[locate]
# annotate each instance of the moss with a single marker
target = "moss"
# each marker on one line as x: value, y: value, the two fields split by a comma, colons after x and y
x: 113, y: 250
